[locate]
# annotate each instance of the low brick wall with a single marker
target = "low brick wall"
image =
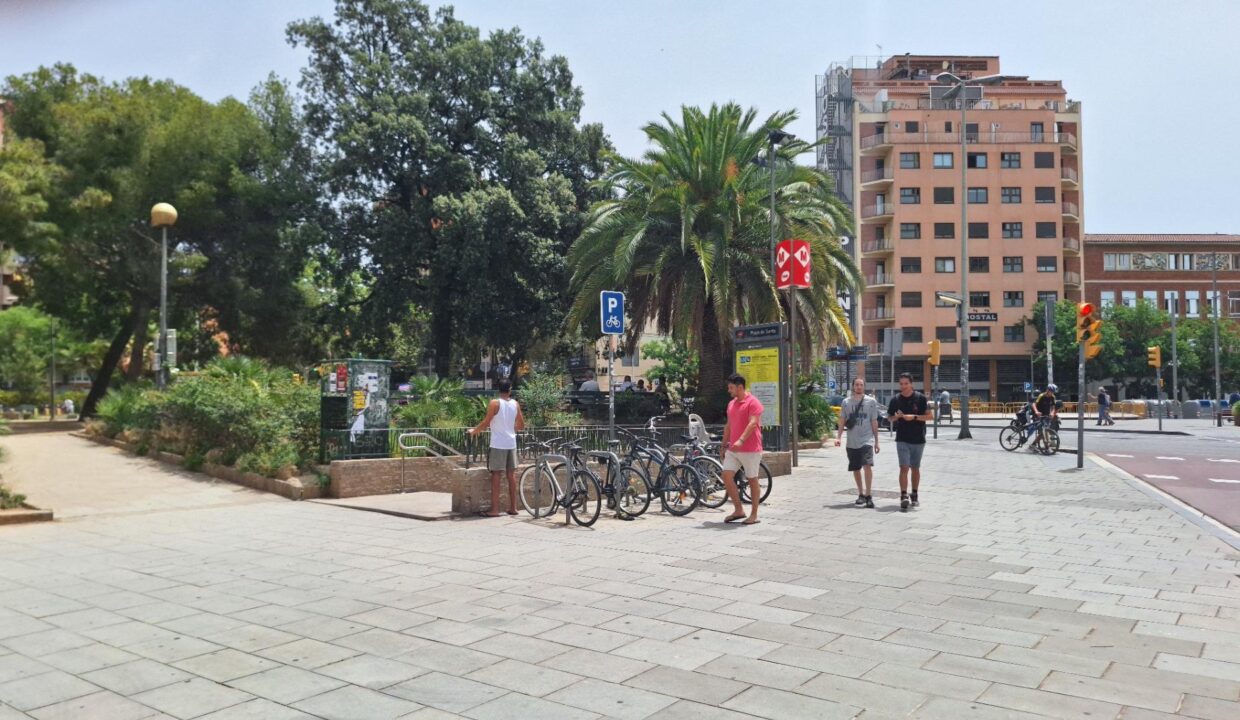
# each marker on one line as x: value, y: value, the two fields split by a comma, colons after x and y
x: 24, y: 514
x: 470, y: 488
x: 780, y: 463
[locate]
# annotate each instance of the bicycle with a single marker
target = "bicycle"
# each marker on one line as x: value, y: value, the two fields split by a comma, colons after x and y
x: 1041, y: 431
x: 546, y: 487
x: 677, y: 484
x: 626, y: 487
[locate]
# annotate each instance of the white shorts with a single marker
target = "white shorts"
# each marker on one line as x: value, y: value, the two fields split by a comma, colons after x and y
x: 748, y: 461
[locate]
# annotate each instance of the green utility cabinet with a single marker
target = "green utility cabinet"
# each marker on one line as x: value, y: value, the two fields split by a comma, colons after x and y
x: 353, y: 409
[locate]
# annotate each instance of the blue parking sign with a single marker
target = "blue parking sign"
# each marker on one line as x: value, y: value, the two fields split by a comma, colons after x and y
x: 611, y: 312
x: 1028, y: 386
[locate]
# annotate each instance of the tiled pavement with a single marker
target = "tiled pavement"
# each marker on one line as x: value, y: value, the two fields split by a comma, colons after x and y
x: 1020, y: 589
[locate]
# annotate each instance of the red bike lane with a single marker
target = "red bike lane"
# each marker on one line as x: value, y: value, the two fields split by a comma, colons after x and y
x: 1209, y: 483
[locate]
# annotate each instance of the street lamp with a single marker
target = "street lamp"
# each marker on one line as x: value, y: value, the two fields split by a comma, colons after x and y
x: 957, y: 91
x: 776, y: 137
x: 163, y: 216
x: 1216, y: 304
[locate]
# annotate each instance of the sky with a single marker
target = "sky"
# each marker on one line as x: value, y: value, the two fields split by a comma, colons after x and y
x: 1160, y: 139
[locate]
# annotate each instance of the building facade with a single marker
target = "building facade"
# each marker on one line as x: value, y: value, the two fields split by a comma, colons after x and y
x: 1169, y: 270
x: 893, y: 146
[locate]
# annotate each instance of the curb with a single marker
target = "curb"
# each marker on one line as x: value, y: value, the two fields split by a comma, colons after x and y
x: 1179, y: 507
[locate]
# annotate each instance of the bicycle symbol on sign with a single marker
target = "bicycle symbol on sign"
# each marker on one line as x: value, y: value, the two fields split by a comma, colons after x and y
x: 613, y: 321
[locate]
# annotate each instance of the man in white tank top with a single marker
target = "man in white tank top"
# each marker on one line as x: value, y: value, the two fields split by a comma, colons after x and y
x: 505, y: 420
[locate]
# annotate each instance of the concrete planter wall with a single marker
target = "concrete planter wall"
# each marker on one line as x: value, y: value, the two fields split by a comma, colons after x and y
x: 24, y: 514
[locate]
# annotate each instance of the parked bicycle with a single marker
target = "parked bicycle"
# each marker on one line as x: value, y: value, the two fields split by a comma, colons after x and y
x: 556, y: 480
x: 676, y: 484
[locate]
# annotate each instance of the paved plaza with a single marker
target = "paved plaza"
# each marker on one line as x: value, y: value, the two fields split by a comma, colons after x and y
x: 1021, y: 588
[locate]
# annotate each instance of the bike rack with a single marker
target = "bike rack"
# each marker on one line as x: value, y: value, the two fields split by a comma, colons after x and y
x: 419, y: 441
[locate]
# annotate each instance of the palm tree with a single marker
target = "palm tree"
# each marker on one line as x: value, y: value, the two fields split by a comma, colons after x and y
x: 687, y: 236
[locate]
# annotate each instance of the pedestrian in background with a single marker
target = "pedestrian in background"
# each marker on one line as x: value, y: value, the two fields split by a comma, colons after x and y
x: 1104, y: 408
x: 945, y: 405
x: 505, y: 419
x: 859, y: 417
x: 909, y: 412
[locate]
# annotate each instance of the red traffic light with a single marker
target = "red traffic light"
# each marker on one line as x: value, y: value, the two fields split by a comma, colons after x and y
x: 1086, y: 309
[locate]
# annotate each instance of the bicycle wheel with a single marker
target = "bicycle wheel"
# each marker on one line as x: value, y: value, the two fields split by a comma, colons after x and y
x: 712, y: 494
x: 631, y: 489
x: 586, y: 498
x: 764, y: 483
x: 678, y: 490
x: 1049, y: 444
x: 1009, y: 438
x: 537, y: 490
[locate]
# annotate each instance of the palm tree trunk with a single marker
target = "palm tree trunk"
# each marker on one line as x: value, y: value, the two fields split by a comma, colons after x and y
x: 713, y: 368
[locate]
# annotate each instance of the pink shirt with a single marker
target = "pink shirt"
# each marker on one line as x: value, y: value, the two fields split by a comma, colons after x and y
x: 739, y: 412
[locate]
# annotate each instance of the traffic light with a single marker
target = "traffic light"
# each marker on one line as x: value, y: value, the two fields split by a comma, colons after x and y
x: 1153, y: 355
x: 935, y: 349
x: 1089, y: 330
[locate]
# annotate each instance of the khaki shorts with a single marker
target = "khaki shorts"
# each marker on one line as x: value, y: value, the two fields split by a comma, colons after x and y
x: 500, y: 460
x: 748, y: 461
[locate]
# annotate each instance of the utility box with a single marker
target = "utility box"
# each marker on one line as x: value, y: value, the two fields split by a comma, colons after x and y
x: 353, y: 409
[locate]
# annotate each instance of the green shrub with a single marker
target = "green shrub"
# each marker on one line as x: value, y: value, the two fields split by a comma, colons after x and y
x: 815, y: 416
x: 438, y: 403
x: 132, y: 407
x: 542, y: 402
x: 10, y: 500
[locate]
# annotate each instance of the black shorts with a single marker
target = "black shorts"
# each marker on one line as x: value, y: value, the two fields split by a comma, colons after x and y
x: 859, y: 457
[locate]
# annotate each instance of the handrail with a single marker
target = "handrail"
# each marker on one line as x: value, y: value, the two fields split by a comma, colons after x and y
x: 404, y: 439
x: 870, y: 211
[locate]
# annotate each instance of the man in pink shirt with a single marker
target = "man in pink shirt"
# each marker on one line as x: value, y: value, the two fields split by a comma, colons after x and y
x: 742, y: 448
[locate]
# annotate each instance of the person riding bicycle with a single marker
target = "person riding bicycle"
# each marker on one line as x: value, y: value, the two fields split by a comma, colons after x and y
x: 1044, y: 407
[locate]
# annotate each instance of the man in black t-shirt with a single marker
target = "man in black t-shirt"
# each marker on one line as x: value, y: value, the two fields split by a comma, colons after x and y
x: 908, y: 413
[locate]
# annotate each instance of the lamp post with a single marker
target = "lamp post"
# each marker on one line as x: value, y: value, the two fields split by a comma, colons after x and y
x: 957, y: 91
x: 163, y: 216
x: 774, y: 138
x: 1216, y: 304
x: 958, y: 303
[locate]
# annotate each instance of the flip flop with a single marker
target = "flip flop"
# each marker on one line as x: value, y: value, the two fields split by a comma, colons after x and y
x: 734, y: 518
x: 512, y: 512
x: 751, y: 522
x: 489, y: 514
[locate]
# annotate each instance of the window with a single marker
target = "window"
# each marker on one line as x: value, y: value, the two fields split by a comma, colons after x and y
x: 944, y: 231
x: 1014, y: 333
x: 880, y: 232
x: 945, y: 333
x: 912, y: 126
x: 942, y: 303
x: 1128, y: 298
x: 1048, y: 263
x: 978, y: 196
x: 910, y: 160
x: 910, y: 264
x: 944, y: 265
x: 1233, y: 303
x: 910, y: 231
x: 970, y: 132
x: 979, y: 334
x: 1150, y: 296
x: 1010, y: 195
x: 943, y: 160
x: 1116, y: 261
x: 1180, y: 261
x: 979, y: 264
x: 910, y: 299
x: 977, y: 160
x: 1036, y: 132
x: 1013, y: 230
x: 1044, y: 159
x: 944, y: 195
x: 1171, y: 301
x: 910, y: 196
x: 1191, y: 300
x: 979, y: 230
x: 1050, y: 296
x: 1013, y: 264
x: 912, y: 334
x: 1013, y: 298
x: 947, y: 126
x: 1044, y: 194
x: 1106, y: 298
x: 1009, y: 160
x: 979, y: 299
x: 1046, y: 229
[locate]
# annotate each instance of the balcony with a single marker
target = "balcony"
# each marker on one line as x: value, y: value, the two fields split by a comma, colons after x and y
x: 880, y: 143
x: 1071, y: 212
x: 1067, y: 140
x: 878, y: 314
x: 1071, y: 278
x: 1069, y: 178
x: 878, y: 247
x: 880, y: 280
x: 877, y: 177
x: 1071, y: 245
x: 878, y: 212
x: 876, y: 144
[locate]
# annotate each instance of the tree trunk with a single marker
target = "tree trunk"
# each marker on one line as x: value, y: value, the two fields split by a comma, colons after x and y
x: 711, y: 401
x: 441, y: 333
x: 137, y: 356
x: 104, y: 377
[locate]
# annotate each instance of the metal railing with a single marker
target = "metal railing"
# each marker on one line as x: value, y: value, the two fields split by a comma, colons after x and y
x: 1071, y: 278
x: 1070, y: 208
x: 1066, y: 138
x: 883, y: 313
x: 880, y: 279
x: 1068, y: 173
x: 873, y: 246
x: 1071, y: 243
x: 873, y: 211
x: 871, y: 141
x: 877, y: 174
x: 983, y: 137
x: 1069, y: 106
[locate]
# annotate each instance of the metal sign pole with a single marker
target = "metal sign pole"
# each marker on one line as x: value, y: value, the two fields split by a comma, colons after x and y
x: 611, y: 390
x: 1049, y: 312
x: 792, y: 372
x: 1162, y: 402
x: 938, y: 411
x: 1080, y: 408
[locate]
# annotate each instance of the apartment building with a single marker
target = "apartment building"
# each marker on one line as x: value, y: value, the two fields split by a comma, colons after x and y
x: 893, y: 145
x: 1173, y: 271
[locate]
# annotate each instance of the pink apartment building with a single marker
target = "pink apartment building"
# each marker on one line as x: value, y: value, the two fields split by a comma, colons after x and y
x: 893, y: 147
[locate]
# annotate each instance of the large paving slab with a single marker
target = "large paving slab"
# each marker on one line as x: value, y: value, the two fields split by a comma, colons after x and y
x: 1021, y: 588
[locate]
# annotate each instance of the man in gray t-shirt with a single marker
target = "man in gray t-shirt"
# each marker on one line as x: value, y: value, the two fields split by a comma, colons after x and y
x: 861, y: 412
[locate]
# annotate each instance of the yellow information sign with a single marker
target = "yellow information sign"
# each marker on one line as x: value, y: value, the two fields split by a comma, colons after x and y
x: 760, y: 366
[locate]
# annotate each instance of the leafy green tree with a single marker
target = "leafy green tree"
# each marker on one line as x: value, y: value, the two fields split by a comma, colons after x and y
x: 26, y: 353
x: 687, y: 232
x: 678, y: 365
x: 456, y: 168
